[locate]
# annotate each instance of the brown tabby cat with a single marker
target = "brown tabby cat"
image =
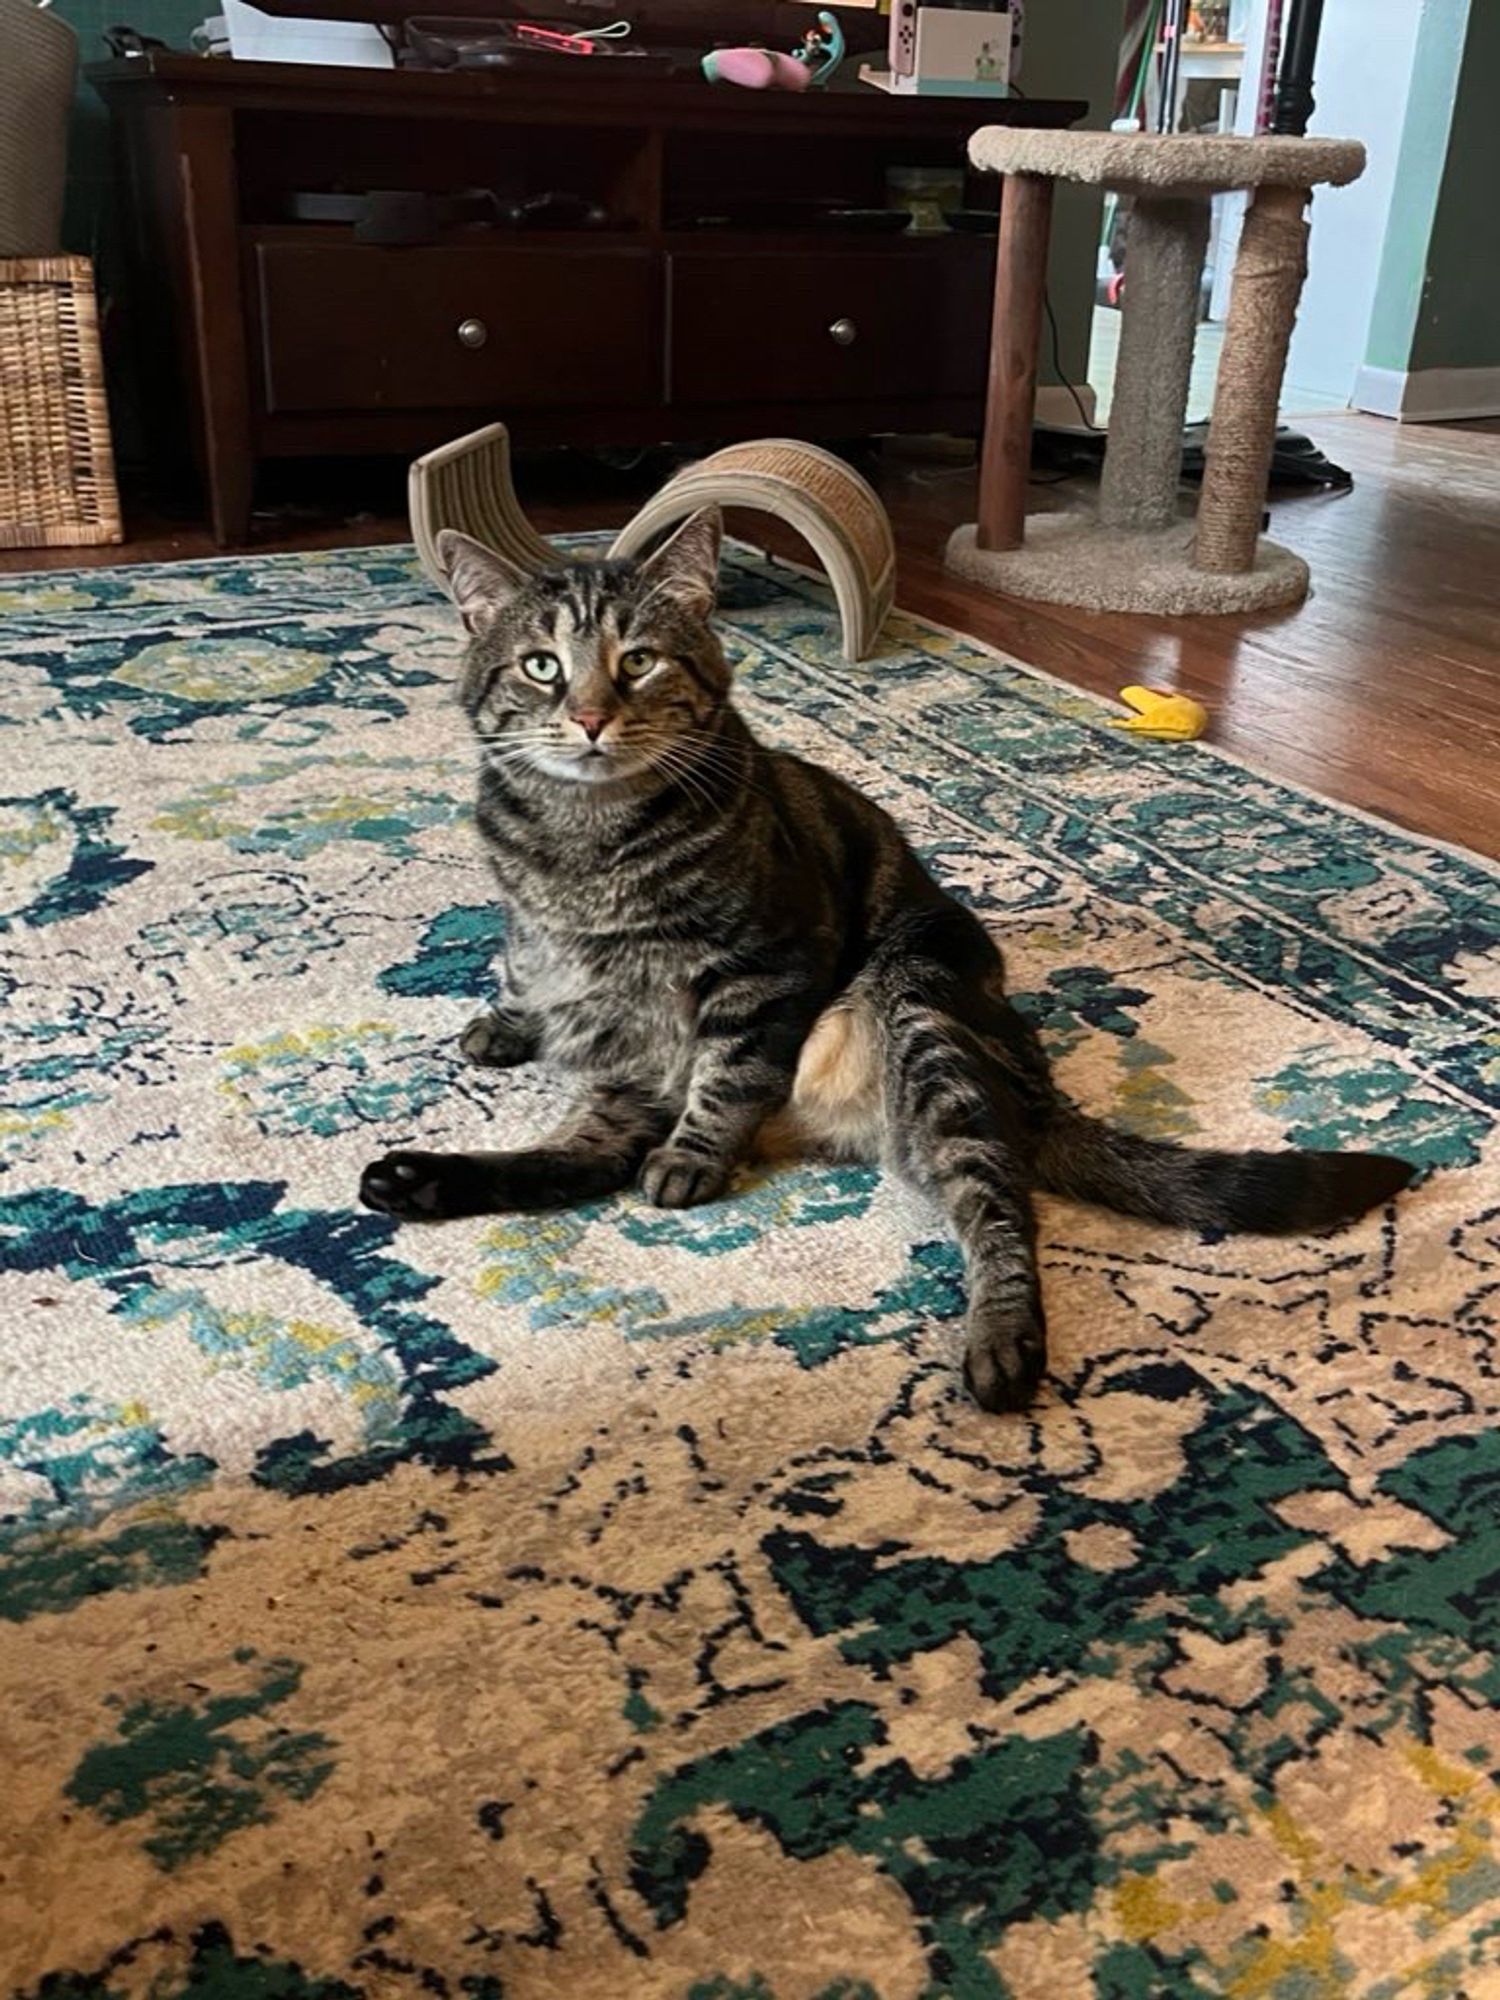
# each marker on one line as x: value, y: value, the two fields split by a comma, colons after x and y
x: 720, y: 944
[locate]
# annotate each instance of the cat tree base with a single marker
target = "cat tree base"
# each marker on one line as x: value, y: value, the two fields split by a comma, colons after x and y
x: 1075, y: 559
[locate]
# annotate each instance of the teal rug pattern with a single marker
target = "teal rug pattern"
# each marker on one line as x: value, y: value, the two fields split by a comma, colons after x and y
x: 630, y: 1603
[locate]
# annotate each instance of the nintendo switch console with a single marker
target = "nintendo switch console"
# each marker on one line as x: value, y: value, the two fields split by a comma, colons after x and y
x: 954, y: 51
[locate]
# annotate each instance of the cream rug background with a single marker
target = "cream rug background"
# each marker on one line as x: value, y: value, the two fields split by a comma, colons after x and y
x: 630, y: 1603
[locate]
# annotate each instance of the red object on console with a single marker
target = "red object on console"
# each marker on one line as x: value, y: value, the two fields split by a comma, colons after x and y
x: 549, y: 38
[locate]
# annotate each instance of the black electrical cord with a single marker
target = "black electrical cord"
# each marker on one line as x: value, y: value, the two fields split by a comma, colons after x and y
x: 1057, y: 368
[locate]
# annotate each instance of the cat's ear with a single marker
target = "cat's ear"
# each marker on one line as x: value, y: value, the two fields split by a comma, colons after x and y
x: 687, y: 567
x: 480, y: 583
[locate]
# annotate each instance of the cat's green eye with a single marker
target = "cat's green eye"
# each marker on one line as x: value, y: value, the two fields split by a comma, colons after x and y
x: 543, y: 668
x: 637, y: 663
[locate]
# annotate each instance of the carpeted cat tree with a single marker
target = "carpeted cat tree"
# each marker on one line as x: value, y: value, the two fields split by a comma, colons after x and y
x: 1139, y: 551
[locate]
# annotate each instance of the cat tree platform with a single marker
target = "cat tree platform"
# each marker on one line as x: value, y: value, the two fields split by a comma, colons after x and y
x: 1139, y: 551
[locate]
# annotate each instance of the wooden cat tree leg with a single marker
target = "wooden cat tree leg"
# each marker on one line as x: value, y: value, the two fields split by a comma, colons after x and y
x: 1015, y: 342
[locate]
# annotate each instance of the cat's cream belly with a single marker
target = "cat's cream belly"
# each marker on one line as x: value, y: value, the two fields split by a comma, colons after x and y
x: 837, y: 1107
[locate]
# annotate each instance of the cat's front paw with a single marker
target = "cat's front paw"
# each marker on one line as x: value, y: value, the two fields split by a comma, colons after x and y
x: 673, y: 1179
x: 500, y: 1040
x: 1005, y: 1354
x: 419, y: 1187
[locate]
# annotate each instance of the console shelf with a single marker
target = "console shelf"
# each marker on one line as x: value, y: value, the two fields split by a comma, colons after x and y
x: 262, y: 337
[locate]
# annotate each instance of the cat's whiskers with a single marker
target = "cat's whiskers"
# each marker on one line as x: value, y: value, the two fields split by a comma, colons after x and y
x: 726, y: 761
x: 674, y: 773
x: 654, y: 738
x: 513, y: 746
x: 524, y: 757
x: 668, y: 758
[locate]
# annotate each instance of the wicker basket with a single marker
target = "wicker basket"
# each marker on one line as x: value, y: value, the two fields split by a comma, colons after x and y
x: 57, y: 470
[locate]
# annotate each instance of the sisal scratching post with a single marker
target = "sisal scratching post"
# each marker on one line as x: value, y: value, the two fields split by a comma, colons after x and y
x: 1143, y: 460
x: 1141, y: 550
x: 1268, y: 278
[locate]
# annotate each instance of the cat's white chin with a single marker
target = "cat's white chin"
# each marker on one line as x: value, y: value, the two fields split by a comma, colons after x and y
x: 587, y: 770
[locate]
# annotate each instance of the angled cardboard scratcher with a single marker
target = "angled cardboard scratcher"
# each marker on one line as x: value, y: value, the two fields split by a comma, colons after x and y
x: 467, y: 485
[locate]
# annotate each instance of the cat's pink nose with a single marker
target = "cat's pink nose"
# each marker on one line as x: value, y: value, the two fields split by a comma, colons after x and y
x: 591, y: 722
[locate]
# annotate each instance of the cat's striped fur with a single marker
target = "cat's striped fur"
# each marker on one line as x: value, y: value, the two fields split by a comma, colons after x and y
x: 730, y: 950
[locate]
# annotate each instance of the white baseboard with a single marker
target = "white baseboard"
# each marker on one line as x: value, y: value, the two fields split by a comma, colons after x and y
x: 1055, y: 406
x: 1428, y: 395
x: 1378, y: 391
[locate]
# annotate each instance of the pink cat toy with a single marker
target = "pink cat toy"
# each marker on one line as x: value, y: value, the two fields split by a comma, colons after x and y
x: 769, y: 69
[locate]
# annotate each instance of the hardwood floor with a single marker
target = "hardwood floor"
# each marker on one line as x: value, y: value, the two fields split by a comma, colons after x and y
x: 1382, y: 690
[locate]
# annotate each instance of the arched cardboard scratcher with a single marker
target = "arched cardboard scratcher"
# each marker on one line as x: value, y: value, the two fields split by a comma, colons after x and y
x: 818, y: 495
x: 467, y: 485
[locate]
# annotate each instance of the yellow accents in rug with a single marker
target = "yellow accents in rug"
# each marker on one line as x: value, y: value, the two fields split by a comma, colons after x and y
x: 221, y: 669
x: 298, y: 1044
x: 25, y: 829
x: 1147, y: 1101
x: 27, y: 1124
x: 196, y: 818
x: 1144, y: 1908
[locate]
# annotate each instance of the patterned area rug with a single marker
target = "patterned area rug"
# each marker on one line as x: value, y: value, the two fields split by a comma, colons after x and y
x: 632, y: 1603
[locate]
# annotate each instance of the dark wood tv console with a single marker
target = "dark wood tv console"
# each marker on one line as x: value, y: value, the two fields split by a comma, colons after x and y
x: 679, y: 320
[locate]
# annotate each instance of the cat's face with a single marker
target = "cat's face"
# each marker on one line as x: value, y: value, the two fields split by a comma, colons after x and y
x: 592, y: 673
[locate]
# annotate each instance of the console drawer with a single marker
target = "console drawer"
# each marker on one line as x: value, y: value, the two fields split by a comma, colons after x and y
x: 906, y: 321
x: 347, y: 326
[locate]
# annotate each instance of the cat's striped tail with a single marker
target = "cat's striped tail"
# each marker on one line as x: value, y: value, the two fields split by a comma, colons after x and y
x: 1284, y: 1193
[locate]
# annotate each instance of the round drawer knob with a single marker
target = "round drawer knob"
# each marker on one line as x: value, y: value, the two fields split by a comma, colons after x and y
x: 472, y: 333
x: 842, y: 333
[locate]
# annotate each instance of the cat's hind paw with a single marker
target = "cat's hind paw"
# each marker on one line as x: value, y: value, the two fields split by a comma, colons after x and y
x: 1005, y: 1355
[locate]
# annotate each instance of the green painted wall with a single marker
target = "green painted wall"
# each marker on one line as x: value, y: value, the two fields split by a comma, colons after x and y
x: 1458, y: 322
x: 86, y: 223
x: 1437, y: 300
x: 1071, y: 50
